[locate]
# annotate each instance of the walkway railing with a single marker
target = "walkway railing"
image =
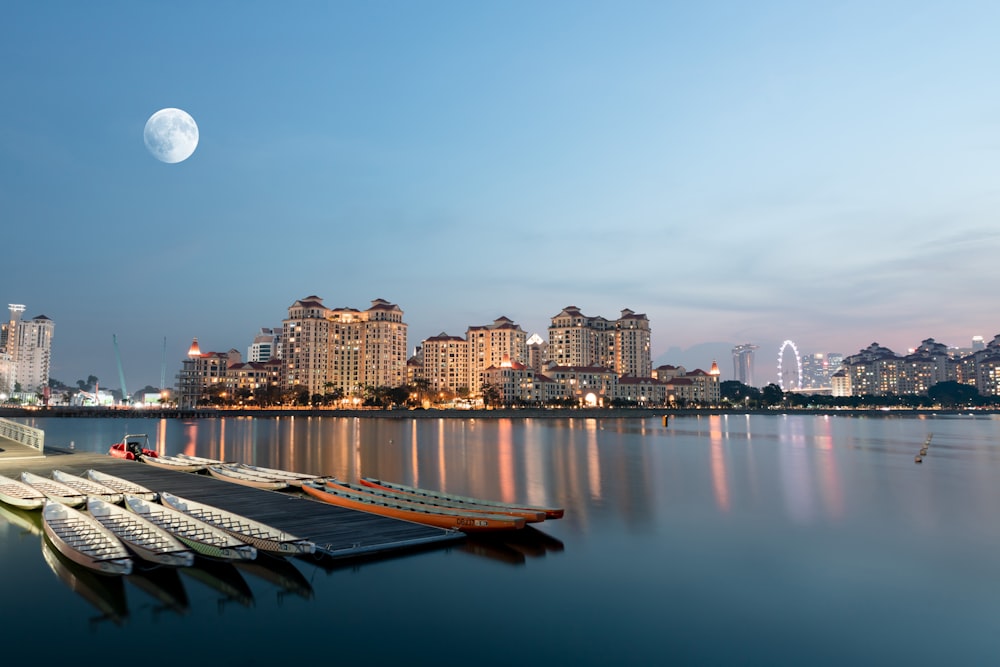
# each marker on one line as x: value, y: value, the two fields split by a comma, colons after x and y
x: 25, y: 435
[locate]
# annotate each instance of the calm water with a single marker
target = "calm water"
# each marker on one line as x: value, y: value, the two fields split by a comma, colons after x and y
x: 761, y: 540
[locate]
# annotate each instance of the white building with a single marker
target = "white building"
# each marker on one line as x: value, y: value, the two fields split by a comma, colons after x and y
x: 25, y: 352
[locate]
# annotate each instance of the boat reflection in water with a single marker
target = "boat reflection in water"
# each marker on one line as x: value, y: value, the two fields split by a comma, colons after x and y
x: 222, y: 578
x: 279, y: 572
x: 29, y: 522
x: 513, y: 547
x: 164, y: 585
x: 106, y: 594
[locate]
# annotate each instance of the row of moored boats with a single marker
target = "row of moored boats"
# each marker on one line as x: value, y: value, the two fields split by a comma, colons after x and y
x: 105, y: 523
x: 372, y: 495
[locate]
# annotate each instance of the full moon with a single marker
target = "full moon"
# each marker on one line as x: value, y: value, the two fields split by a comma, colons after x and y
x: 171, y: 135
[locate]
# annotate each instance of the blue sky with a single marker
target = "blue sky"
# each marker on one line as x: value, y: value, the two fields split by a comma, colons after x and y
x: 740, y: 172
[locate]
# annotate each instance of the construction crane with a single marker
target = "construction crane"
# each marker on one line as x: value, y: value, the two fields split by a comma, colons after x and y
x: 121, y: 373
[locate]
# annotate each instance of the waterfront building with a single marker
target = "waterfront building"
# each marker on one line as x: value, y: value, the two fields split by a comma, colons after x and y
x: 667, y: 372
x: 254, y: 382
x: 704, y: 386
x: 510, y: 383
x: 924, y: 367
x: 6, y: 375
x: 981, y: 368
x: 538, y: 352
x: 203, y: 373
x: 840, y: 383
x: 446, y: 364
x: 584, y: 385
x: 631, y: 351
x: 642, y: 391
x: 878, y: 371
x: 306, y: 335
x: 264, y: 346
x: 343, y: 348
x: 743, y: 363
x: 622, y: 345
x: 489, y: 345
x: 383, y: 333
x: 25, y: 352
x: 415, y: 366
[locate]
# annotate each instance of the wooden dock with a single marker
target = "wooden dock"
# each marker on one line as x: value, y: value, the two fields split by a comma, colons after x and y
x: 337, y: 532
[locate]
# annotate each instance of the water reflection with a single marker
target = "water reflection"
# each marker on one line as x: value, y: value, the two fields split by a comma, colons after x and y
x: 106, y: 594
x: 223, y: 578
x: 279, y: 572
x: 512, y: 547
x: 28, y: 523
x: 637, y: 470
x: 719, y: 482
x: 164, y: 585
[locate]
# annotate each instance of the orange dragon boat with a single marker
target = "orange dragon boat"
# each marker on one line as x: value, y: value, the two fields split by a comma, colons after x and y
x: 398, y: 509
x: 433, y: 496
x: 437, y: 505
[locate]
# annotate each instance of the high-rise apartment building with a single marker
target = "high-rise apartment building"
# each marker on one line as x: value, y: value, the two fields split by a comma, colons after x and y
x: 25, y: 352
x: 201, y: 371
x: 743, y: 363
x: 622, y: 345
x: 491, y: 344
x: 263, y: 348
x: 445, y: 364
x: 343, y: 348
x: 538, y: 353
x: 631, y: 345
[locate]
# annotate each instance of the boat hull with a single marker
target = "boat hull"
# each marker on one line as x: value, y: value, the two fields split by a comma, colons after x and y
x: 420, y: 502
x: 255, y: 481
x: 262, y: 537
x: 203, y: 538
x: 172, y: 463
x: 57, y: 491
x: 464, y: 522
x: 124, y: 486
x: 18, y: 494
x: 88, y: 487
x: 140, y: 536
x: 83, y: 540
x: 549, y: 512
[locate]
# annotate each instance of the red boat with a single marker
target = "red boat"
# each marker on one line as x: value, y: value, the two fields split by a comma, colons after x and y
x: 131, y: 447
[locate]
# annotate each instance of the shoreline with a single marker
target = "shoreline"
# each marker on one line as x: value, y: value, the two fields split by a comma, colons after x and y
x: 501, y: 413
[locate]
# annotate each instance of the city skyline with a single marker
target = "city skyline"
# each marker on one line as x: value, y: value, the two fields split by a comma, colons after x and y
x: 739, y: 174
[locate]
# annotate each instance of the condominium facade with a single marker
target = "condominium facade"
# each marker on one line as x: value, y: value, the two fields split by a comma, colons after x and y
x: 264, y: 346
x: 490, y: 345
x: 343, y: 349
x: 201, y: 372
x: 879, y: 371
x: 446, y: 364
x: 622, y: 345
x: 25, y: 352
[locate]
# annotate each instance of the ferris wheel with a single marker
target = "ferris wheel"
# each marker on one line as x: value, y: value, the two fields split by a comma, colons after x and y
x: 788, y: 377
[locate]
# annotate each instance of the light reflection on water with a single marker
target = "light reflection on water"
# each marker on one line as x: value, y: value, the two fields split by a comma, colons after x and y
x: 716, y: 540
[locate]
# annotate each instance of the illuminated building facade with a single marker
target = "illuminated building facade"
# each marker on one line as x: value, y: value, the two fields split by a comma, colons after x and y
x: 490, y: 345
x: 622, y: 345
x: 25, y: 352
x: 446, y: 364
x: 343, y: 348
